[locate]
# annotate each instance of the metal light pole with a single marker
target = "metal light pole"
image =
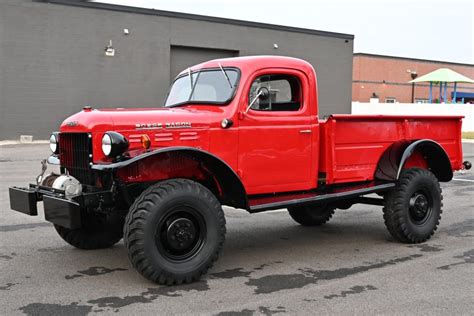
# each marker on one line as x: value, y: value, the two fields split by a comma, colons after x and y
x: 413, y: 75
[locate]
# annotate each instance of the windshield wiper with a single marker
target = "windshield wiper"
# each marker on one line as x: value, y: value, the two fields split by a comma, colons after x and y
x: 225, y: 74
x: 194, y: 85
x: 190, y: 77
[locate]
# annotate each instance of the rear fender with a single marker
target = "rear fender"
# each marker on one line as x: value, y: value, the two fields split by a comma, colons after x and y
x: 423, y: 153
x: 183, y: 162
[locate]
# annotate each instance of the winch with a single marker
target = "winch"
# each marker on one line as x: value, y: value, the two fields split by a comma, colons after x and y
x: 70, y: 185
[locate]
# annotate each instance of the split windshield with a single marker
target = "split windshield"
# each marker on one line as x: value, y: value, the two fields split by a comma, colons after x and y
x: 210, y: 86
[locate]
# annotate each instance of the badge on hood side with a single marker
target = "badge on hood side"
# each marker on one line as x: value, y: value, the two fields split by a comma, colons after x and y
x: 161, y: 125
x: 72, y: 123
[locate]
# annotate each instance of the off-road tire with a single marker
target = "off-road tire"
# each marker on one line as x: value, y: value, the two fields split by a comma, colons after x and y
x: 97, y: 232
x: 152, y: 217
x: 311, y: 215
x: 400, y: 212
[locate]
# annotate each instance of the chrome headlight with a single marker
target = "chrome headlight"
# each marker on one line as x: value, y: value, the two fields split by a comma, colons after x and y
x: 114, y: 144
x: 53, y: 142
x: 106, y: 144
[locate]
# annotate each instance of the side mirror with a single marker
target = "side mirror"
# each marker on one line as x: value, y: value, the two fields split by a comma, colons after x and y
x: 263, y: 94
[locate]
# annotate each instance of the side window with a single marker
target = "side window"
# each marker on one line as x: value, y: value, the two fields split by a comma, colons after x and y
x: 284, y: 93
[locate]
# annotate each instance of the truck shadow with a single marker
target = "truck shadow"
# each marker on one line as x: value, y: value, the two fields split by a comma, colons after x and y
x: 253, y: 242
x: 274, y: 239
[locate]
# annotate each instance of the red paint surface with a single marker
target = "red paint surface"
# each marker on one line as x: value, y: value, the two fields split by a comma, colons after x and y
x: 354, y: 143
x: 416, y: 160
x: 266, y: 149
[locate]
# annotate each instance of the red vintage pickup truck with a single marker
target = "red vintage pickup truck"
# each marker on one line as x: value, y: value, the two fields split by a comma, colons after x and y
x: 242, y: 132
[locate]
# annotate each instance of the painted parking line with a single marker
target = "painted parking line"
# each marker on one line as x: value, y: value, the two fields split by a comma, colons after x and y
x: 465, y: 180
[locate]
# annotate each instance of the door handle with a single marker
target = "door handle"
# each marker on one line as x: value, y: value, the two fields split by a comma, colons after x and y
x: 305, y: 131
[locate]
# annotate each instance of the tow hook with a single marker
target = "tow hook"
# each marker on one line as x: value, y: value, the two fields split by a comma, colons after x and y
x: 39, y: 178
x: 467, y: 165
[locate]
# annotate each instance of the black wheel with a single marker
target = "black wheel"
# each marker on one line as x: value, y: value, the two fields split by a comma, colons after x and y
x: 413, y: 209
x: 311, y: 215
x: 174, y: 231
x: 98, y: 232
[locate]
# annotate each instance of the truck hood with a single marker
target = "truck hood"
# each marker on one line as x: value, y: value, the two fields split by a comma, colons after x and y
x: 126, y: 120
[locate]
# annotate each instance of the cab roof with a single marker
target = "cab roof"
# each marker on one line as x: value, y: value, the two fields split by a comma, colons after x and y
x: 251, y: 63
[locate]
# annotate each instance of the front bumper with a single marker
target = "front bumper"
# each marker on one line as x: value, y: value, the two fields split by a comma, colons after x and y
x: 57, y: 209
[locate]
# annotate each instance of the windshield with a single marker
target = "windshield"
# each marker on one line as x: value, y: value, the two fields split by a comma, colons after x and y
x: 215, y: 86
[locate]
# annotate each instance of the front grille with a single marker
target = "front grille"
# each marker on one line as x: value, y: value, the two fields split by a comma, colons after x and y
x: 74, y: 151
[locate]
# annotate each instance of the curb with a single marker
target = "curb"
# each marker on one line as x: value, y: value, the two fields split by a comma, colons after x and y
x: 17, y: 142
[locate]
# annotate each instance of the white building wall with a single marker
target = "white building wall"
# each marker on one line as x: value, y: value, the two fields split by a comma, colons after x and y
x: 466, y: 110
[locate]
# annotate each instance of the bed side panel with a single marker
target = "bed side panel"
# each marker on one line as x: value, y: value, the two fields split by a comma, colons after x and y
x: 353, y: 145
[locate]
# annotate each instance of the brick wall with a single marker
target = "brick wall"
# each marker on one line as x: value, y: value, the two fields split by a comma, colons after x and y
x: 388, y: 77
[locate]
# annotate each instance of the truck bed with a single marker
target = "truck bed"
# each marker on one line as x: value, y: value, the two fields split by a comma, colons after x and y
x: 351, y: 145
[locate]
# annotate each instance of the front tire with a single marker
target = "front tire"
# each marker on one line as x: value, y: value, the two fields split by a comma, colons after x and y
x: 413, y: 209
x: 174, y: 231
x: 311, y: 215
x: 98, y: 231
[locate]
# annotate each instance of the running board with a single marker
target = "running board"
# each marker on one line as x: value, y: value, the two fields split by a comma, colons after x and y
x: 273, y: 202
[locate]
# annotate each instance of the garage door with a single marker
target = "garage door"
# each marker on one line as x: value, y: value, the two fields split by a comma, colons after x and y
x: 183, y: 57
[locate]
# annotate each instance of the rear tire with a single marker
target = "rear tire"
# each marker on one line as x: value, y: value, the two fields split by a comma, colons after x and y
x: 311, y: 215
x: 174, y: 231
x: 98, y: 232
x: 413, y: 209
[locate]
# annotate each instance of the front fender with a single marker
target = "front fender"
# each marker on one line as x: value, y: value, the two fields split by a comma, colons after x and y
x: 229, y: 187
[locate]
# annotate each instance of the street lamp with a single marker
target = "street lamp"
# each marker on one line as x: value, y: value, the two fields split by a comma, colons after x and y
x: 413, y: 76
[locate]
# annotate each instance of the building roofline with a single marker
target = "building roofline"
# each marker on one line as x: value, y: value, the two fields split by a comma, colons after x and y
x: 180, y: 15
x: 415, y: 59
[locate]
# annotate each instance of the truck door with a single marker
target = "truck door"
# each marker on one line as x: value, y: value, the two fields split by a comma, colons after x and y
x: 275, y: 134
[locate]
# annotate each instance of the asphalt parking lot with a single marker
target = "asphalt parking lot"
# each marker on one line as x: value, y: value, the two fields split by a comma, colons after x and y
x: 269, y: 265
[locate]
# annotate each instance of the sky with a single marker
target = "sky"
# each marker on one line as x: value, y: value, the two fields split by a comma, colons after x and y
x: 426, y: 29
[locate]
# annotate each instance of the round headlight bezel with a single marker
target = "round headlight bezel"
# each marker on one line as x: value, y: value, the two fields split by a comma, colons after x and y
x: 114, y: 144
x: 54, y: 142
